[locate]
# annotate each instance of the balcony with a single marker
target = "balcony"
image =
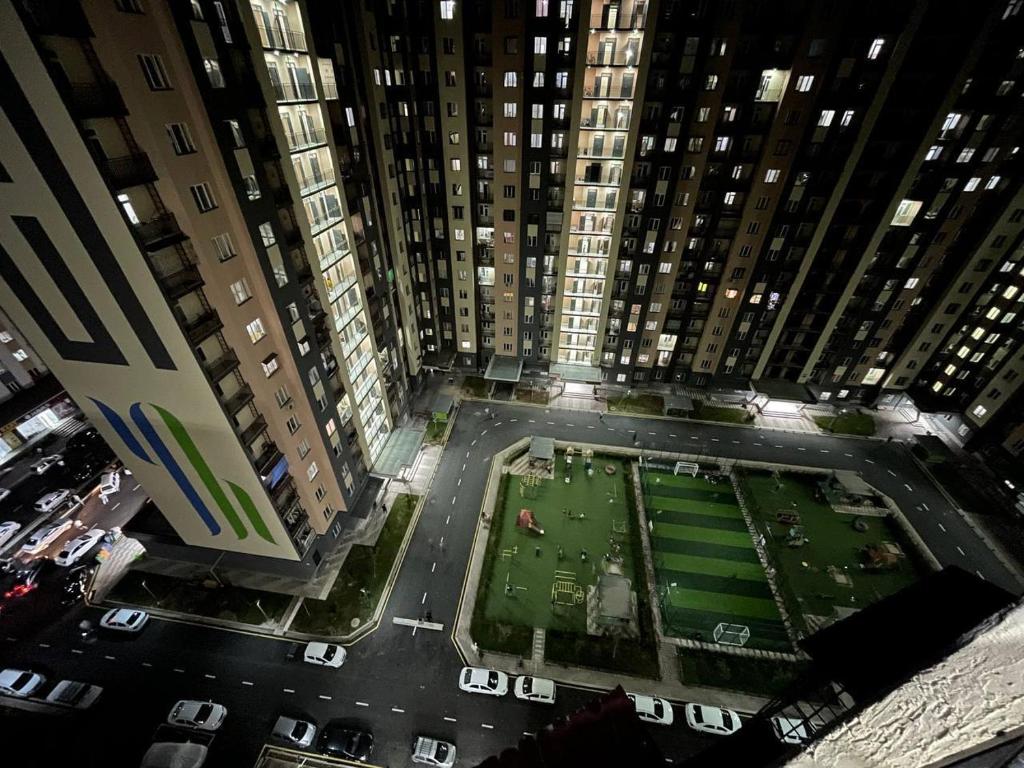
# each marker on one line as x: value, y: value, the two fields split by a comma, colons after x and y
x: 203, y: 327
x: 182, y: 282
x: 315, y: 182
x: 319, y: 225
x: 286, y: 92
x: 222, y: 366
x: 159, y: 232
x: 236, y: 401
x: 128, y: 171
x: 308, y: 139
x: 267, y: 459
x: 254, y: 430
x: 89, y: 100
x: 49, y: 18
x: 284, y: 496
x: 280, y: 37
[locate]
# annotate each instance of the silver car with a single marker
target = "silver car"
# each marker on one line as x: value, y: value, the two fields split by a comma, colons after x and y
x: 201, y: 715
x: 298, y: 733
x: 20, y: 683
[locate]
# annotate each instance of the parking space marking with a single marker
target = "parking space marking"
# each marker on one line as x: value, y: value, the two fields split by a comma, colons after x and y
x: 611, y: 429
x: 453, y: 501
x: 528, y: 733
x: 848, y: 455
x: 824, y: 450
x: 735, y: 442
x: 980, y: 575
x: 44, y: 645
x: 673, y: 435
x: 694, y: 437
x: 925, y: 507
x: 512, y: 421
x: 441, y: 543
x: 499, y: 423
x: 115, y: 506
x: 448, y: 520
x: 179, y: 670
x: 146, y: 664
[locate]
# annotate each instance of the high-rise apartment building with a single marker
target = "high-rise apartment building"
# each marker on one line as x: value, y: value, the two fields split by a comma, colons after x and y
x: 188, y: 239
x: 20, y: 364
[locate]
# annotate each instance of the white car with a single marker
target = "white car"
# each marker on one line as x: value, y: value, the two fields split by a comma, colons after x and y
x: 74, y: 694
x: 652, y: 709
x: 201, y: 715
x: 715, y: 720
x: 487, y: 681
x: 427, y: 751
x: 8, y: 530
x: 298, y: 733
x: 538, y: 689
x: 124, y: 619
x: 324, y: 654
x: 110, y: 483
x: 43, y: 537
x: 789, y: 730
x: 77, y: 547
x: 19, y: 683
x: 52, y: 500
x: 46, y: 462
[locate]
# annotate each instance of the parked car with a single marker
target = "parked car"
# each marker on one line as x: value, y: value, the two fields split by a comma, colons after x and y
x: 538, y: 689
x: 702, y: 717
x: 201, y: 715
x: 297, y: 733
x: 652, y: 709
x: 490, y: 682
x: 75, y: 549
x: 43, y: 537
x: 427, y: 751
x: 20, y: 683
x: 52, y: 500
x: 789, y: 730
x: 85, y: 438
x: 47, y: 462
x: 110, y: 483
x: 340, y: 740
x: 8, y: 531
x: 71, y: 693
x: 324, y: 654
x: 124, y: 619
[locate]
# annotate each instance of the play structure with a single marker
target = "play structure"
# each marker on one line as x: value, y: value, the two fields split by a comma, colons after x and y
x: 527, y: 520
x: 565, y: 590
x: 528, y: 486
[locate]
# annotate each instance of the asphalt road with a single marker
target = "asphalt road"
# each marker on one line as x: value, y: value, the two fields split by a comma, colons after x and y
x: 396, y: 681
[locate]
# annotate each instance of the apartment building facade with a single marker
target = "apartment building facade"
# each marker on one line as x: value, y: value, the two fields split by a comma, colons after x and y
x: 242, y: 358
x: 20, y: 364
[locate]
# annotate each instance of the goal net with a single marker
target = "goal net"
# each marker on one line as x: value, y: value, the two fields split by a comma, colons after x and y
x: 732, y: 634
x: 688, y: 467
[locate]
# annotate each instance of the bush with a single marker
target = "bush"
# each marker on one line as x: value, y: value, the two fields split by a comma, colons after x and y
x: 474, y: 386
x: 704, y: 412
x: 764, y: 677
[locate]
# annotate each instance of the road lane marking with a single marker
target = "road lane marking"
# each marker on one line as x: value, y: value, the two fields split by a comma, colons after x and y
x: 136, y: 487
x: 178, y: 669
x: 467, y: 454
x: 423, y: 599
x: 512, y: 421
x: 531, y: 735
x: 325, y: 698
x: 694, y: 437
x: 499, y: 423
x: 451, y: 720
x: 611, y: 429
x: 848, y: 455
x: 433, y: 566
x: 533, y: 421
x: 441, y: 544
x: 869, y: 461
x: 714, y: 439
x: 653, y: 433
x: 288, y: 690
x: 735, y: 442
x: 673, y: 435
x: 942, y: 527
x: 758, y: 445
x: 463, y: 466
x: 568, y: 425
x: 44, y: 645
x: 109, y: 658
x: 459, y: 484
x: 824, y: 450
x: 925, y: 507
x: 980, y: 576
x: 908, y: 486
x: 473, y: 443
x: 247, y: 682
x: 962, y: 553
x: 398, y: 710
x: 453, y: 501
x: 550, y: 423
x: 362, y: 704
x: 488, y: 726
x: 483, y: 433
x: 591, y: 426
x: 115, y: 506
x: 77, y: 650
x: 146, y: 664
x: 778, y: 446
x: 891, y: 472
x: 448, y: 520
x: 798, y: 448
x: 208, y: 676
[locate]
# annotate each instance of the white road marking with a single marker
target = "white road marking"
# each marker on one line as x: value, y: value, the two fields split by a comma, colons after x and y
x: 942, y: 527
x: 451, y: 719
x: 247, y: 682
x: 653, y: 433
x: 459, y: 484
x: 848, y: 455
x: 758, y: 444
x: 483, y: 433
x: 533, y: 421
x: 463, y: 466
x: 178, y: 669
x: 467, y: 454
x: 611, y: 429
x: 591, y: 426
x: 527, y: 733
x: 109, y: 658
x: 488, y: 726
x: 735, y: 442
x: 925, y: 507
x: 448, y: 520
x: 891, y: 472
x: 980, y: 576
x: 962, y: 553
x: 136, y: 487
x: 423, y: 599
x: 568, y: 425
x: 714, y: 439
x: 453, y: 500
x: 399, y: 711
x: 115, y: 506
x: 512, y: 421
x: 551, y: 423
x: 694, y: 437
x: 362, y: 704
x: 824, y: 450
x: 869, y: 461
x: 76, y: 650
x: 288, y: 690
x: 908, y: 486
x: 417, y: 624
x: 433, y: 566
x: 325, y: 698
x: 441, y: 543
x: 798, y: 448
x: 208, y: 676
x: 146, y: 664
x: 778, y: 446
x: 499, y: 423
x: 673, y: 435
x: 473, y: 443
x: 44, y: 645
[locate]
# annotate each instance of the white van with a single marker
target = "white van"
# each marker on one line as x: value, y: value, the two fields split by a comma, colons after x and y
x: 110, y: 483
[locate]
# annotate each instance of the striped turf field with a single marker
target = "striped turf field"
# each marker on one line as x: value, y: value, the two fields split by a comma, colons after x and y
x: 705, y: 563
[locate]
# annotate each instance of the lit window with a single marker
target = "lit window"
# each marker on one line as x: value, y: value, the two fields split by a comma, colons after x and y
x: 905, y: 213
x: 965, y: 155
x: 456, y: 164
x: 825, y: 118
x: 213, y: 73
x: 980, y: 411
x: 722, y: 143
x: 510, y: 109
x: 240, y: 291
x: 804, y: 83
x: 20, y: 354
x: 536, y: 111
x: 540, y: 45
x: 934, y: 152
x: 313, y: 470
x: 876, y: 47
x: 772, y: 175
x: 447, y: 9
x: 6, y: 337
x: 992, y: 182
x: 847, y: 118
x: 510, y: 138
x: 731, y: 293
x: 729, y: 198
x: 711, y: 83
x: 911, y: 282
x: 670, y: 145
x: 511, y: 79
x: 255, y: 330
x: 972, y: 184
x: 755, y: 298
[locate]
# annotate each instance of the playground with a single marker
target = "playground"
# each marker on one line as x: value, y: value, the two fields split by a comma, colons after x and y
x: 554, y: 538
x: 709, y: 580
x: 829, y: 563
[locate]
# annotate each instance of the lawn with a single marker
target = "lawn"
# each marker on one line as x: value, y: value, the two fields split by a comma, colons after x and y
x: 805, y: 574
x: 848, y: 424
x: 521, y: 567
x: 705, y: 564
x: 644, y: 403
x: 217, y: 602
x: 435, y: 431
x: 764, y: 677
x: 474, y: 386
x: 532, y: 395
x: 703, y: 412
x: 365, y: 568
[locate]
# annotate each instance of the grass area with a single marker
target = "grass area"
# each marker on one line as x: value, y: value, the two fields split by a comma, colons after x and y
x: 703, y: 412
x: 643, y: 403
x: 435, y: 432
x: 365, y: 568
x: 474, y: 386
x: 812, y: 578
x: 765, y: 677
x: 705, y: 564
x: 530, y: 395
x: 848, y: 424
x: 190, y: 597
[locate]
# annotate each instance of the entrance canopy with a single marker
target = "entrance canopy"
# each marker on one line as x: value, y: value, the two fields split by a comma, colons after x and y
x: 570, y: 372
x: 399, y: 451
x: 542, y: 448
x: 505, y: 369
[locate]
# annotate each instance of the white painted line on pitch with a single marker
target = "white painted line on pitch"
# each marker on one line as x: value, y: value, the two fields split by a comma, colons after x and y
x: 673, y: 435
x: 908, y: 486
x: 551, y: 423
x: 942, y: 527
x: 891, y: 472
x: 247, y: 682
x: 488, y: 726
x: 325, y: 698
x: 362, y: 704
x: 798, y: 448
x: 398, y: 710
x: 433, y: 566
x: 483, y: 433
x: 962, y: 553
x: 288, y: 690
x: 208, y: 676
x: 423, y: 599
x: 451, y: 720
x: 463, y: 466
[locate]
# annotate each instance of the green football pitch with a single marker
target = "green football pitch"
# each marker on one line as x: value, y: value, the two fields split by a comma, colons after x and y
x: 706, y: 568
x: 541, y: 580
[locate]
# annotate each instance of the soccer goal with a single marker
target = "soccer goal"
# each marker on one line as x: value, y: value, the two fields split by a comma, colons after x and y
x: 689, y: 467
x: 732, y: 634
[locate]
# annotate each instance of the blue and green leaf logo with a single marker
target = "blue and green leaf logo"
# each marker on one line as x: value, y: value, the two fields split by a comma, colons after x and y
x: 163, y: 456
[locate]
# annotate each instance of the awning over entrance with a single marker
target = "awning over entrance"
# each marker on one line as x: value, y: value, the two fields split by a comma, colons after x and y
x: 542, y: 448
x: 399, y: 451
x: 506, y: 369
x: 780, y: 389
x: 570, y: 372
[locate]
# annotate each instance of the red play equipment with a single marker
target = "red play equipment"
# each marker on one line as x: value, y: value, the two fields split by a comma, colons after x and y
x: 528, y: 521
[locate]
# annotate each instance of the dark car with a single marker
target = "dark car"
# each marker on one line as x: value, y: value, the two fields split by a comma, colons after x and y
x: 85, y: 439
x: 340, y: 740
